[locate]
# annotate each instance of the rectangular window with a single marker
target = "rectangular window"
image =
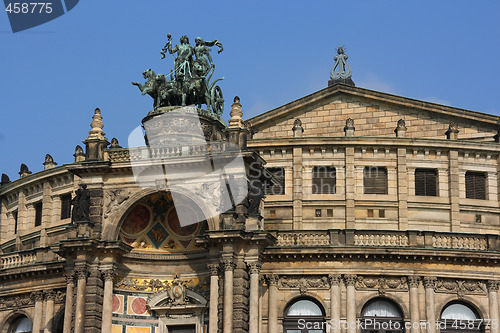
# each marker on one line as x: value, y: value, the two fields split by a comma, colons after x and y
x: 426, y: 181
x: 279, y: 188
x: 375, y: 180
x: 15, y: 215
x: 38, y: 213
x: 475, y: 185
x: 65, y: 206
x: 324, y: 180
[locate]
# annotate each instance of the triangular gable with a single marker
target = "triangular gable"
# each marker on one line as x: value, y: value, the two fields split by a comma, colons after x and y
x: 324, y: 113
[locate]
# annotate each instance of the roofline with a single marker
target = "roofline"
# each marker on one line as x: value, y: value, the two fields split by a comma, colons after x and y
x: 259, y: 120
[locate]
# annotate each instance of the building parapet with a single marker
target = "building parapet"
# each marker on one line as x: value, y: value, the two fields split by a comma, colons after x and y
x: 394, y: 239
x: 28, y: 258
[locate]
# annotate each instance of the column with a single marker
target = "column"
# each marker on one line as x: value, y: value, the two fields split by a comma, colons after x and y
x: 254, y: 297
x: 107, y: 302
x: 37, y: 316
x: 213, y: 321
x: 272, y: 317
x: 81, y: 274
x: 350, y: 195
x: 429, y: 284
x: 334, y: 280
x: 228, y: 295
x: 413, y: 282
x: 49, y: 311
x: 68, y: 307
x: 350, y: 281
x: 493, y: 305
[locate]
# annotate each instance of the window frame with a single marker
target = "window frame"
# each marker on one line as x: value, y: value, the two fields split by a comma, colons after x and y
x: 279, y: 174
x: 38, y: 207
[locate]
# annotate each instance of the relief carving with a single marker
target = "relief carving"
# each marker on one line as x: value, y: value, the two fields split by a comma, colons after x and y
x: 381, y: 283
x: 113, y: 200
x: 304, y: 283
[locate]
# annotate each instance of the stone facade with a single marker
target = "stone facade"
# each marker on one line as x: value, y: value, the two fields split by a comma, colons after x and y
x: 345, y: 253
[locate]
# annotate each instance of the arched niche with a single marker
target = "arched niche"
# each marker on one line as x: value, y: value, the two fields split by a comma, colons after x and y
x: 153, y: 224
x: 113, y: 224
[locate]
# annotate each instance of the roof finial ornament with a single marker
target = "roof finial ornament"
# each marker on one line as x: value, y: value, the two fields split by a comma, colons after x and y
x: 344, y: 72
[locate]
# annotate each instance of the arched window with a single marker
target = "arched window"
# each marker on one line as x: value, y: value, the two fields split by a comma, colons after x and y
x: 22, y: 324
x: 460, y: 317
x: 304, y: 316
x: 382, y: 316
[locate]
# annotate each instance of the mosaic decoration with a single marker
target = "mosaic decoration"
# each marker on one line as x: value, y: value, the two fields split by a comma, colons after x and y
x: 152, y: 225
x: 116, y: 328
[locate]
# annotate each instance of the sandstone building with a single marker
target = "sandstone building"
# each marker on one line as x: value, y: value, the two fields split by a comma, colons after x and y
x: 381, y: 215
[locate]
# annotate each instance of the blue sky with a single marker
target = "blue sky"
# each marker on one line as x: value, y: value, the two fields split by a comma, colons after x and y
x: 54, y: 76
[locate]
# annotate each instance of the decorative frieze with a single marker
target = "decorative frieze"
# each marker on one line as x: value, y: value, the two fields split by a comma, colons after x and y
x: 304, y: 283
x: 375, y: 282
x: 154, y: 285
x: 460, y: 287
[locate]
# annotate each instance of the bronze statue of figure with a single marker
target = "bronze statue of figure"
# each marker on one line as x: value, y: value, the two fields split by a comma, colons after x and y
x: 81, y: 205
x: 189, y: 82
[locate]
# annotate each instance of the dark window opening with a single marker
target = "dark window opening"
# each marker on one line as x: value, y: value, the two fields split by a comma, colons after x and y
x: 375, y: 180
x: 318, y: 212
x: 329, y: 212
x: 426, y: 181
x: 475, y: 185
x: 38, y: 214
x: 15, y: 216
x: 279, y: 188
x: 381, y: 213
x: 369, y: 212
x: 65, y: 206
x: 324, y: 180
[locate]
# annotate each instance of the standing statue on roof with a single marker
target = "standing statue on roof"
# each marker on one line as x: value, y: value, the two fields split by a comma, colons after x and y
x: 182, y: 63
x: 344, y: 70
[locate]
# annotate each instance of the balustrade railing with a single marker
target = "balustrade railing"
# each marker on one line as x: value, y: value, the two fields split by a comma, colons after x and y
x: 28, y: 257
x: 144, y: 153
x: 378, y: 238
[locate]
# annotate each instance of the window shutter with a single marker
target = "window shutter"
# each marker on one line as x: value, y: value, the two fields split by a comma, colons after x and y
x: 375, y: 180
x: 426, y: 182
x: 475, y: 185
x: 324, y: 180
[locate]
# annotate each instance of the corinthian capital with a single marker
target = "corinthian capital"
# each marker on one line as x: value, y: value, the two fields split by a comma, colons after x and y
x: 37, y: 296
x: 430, y: 282
x: 272, y: 279
x: 50, y: 295
x: 334, y: 279
x: 108, y: 274
x: 254, y: 267
x: 214, y: 269
x: 350, y: 279
x: 228, y: 264
x: 81, y: 273
x: 413, y: 281
x: 493, y: 285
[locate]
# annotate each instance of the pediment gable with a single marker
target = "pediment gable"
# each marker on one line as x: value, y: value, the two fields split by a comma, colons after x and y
x: 325, y: 112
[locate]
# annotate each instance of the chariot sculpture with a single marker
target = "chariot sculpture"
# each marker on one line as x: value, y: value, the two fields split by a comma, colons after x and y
x: 189, y: 82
